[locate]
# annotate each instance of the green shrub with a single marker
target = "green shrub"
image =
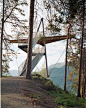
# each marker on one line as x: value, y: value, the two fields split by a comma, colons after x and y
x: 66, y: 101
x: 41, y: 78
x: 82, y: 102
x: 63, y: 98
x: 49, y: 86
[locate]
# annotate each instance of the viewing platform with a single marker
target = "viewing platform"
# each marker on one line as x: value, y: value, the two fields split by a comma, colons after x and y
x: 42, y: 39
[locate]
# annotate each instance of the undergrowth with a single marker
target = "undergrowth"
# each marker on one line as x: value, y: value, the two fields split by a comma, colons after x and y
x: 63, y: 98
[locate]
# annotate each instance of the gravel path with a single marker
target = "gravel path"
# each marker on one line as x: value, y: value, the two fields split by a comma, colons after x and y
x: 12, y: 93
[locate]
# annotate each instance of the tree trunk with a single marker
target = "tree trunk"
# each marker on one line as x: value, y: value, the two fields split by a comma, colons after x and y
x: 82, y: 77
x: 66, y: 60
x: 1, y: 41
x: 79, y: 82
x: 29, y: 50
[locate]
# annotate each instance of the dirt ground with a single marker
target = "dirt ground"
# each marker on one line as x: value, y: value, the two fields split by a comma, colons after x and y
x: 18, y: 92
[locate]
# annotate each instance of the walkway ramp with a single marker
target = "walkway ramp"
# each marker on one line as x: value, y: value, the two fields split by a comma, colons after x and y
x: 35, y: 60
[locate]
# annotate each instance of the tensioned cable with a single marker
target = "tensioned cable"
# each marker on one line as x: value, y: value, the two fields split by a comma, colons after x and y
x: 57, y: 62
x: 44, y: 42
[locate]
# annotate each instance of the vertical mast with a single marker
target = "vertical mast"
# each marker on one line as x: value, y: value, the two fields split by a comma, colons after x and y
x: 45, y: 48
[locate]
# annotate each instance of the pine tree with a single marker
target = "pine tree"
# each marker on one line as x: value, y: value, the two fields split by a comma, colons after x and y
x: 29, y: 50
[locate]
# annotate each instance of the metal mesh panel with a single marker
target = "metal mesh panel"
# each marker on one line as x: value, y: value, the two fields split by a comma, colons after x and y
x: 39, y: 51
x: 21, y: 67
x: 35, y: 60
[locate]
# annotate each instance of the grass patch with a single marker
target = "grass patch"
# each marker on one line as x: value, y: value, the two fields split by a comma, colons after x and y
x: 37, y: 76
x: 36, y: 96
x: 6, y: 76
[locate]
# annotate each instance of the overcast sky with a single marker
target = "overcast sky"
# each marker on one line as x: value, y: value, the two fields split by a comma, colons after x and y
x: 54, y: 50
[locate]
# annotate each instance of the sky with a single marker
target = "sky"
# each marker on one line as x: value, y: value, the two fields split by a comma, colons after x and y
x: 54, y: 50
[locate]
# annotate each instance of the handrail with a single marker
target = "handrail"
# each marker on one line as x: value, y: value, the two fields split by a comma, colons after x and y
x: 39, y: 51
x: 34, y: 63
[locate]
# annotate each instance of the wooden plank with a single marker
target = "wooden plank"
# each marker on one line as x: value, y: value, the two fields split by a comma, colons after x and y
x: 18, y: 41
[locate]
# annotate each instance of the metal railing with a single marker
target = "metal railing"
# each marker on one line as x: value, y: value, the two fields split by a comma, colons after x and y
x: 22, y: 67
x: 35, y: 60
x: 39, y: 51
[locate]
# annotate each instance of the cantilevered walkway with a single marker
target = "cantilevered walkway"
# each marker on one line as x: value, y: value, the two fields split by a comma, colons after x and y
x: 39, y: 42
x: 47, y: 39
x: 37, y: 53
